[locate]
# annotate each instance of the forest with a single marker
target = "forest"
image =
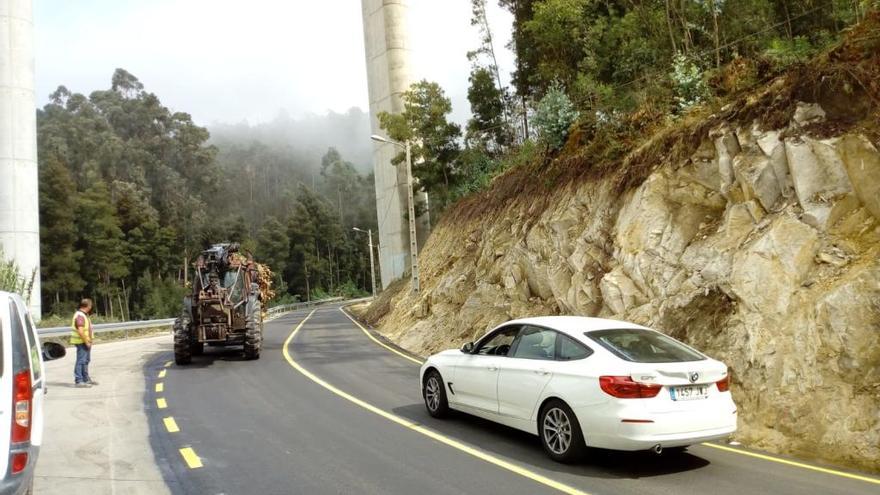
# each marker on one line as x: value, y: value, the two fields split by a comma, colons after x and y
x: 599, y: 73
x: 131, y: 192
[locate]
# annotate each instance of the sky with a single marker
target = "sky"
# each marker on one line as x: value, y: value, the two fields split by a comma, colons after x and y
x: 233, y: 61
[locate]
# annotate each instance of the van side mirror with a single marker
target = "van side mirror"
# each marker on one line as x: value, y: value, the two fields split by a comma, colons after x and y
x: 53, y: 350
x: 468, y: 348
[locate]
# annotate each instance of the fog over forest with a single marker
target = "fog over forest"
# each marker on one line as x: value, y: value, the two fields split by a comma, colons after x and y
x: 306, y: 138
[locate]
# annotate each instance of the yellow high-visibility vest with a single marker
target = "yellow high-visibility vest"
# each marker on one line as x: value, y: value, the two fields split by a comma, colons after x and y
x: 87, y: 328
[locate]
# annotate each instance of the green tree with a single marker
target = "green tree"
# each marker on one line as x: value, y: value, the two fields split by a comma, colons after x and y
x: 273, y: 245
x: 487, y: 129
x: 434, y: 140
x: 102, y: 243
x: 59, y: 256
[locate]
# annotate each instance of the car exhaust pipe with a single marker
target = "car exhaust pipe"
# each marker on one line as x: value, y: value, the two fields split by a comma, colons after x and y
x: 658, y: 449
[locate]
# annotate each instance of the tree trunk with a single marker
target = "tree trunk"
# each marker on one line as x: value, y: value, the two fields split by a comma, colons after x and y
x: 669, y: 25
x: 308, y: 289
x: 717, y: 40
x: 787, y: 19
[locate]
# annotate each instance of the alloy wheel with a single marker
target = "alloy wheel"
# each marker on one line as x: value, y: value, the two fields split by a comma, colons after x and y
x: 432, y: 393
x: 557, y: 431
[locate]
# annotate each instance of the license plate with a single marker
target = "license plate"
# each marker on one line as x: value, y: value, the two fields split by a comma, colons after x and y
x: 689, y: 392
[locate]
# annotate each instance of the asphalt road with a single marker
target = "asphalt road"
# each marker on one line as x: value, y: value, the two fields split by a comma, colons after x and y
x: 337, y: 413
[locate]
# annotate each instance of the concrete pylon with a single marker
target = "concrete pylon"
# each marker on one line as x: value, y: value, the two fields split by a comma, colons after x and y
x: 19, y: 190
x: 388, y: 53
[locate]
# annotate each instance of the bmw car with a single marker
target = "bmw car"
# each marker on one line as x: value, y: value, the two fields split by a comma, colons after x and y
x: 580, y: 382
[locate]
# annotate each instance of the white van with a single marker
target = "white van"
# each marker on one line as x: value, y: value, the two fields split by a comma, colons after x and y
x: 22, y: 391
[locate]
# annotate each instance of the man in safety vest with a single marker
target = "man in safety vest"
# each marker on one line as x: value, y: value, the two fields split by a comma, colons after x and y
x: 82, y: 336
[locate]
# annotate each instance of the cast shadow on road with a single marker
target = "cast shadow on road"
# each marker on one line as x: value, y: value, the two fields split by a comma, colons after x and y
x: 213, y: 354
x: 526, y: 448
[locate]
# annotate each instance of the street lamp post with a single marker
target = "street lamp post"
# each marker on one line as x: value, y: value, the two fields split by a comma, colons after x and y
x: 372, y: 266
x: 413, y: 242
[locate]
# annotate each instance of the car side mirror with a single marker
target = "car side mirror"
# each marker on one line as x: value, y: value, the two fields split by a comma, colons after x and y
x: 53, y: 350
x: 468, y: 348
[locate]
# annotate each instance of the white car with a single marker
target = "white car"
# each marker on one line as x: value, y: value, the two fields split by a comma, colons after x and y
x: 578, y: 382
x: 22, y: 390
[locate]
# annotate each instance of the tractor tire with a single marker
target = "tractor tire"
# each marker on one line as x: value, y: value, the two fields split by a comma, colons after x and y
x: 253, y: 338
x: 182, y: 346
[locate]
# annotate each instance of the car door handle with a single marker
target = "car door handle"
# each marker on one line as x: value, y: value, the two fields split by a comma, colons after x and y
x: 542, y: 372
x: 493, y: 368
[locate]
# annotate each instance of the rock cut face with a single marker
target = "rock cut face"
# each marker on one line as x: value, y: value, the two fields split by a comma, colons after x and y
x: 763, y: 250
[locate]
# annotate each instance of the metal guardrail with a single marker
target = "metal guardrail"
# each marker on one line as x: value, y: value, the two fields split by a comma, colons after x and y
x: 109, y: 327
x: 284, y: 308
x: 167, y: 322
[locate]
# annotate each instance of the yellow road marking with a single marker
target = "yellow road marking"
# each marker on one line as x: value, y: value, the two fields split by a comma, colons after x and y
x: 168, y: 364
x: 421, y: 429
x: 171, y: 425
x: 795, y: 463
x: 160, y: 402
x: 192, y: 460
x: 162, y: 373
x: 374, y: 339
x: 160, y: 387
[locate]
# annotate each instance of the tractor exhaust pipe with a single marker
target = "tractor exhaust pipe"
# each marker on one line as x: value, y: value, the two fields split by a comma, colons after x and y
x: 657, y: 449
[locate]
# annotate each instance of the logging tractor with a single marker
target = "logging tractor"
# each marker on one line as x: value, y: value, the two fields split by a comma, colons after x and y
x: 225, y: 305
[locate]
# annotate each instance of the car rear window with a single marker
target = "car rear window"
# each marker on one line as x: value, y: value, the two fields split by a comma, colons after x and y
x: 644, y: 346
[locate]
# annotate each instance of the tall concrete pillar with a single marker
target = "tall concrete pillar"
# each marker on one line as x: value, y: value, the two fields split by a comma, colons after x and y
x: 388, y: 52
x: 19, y: 210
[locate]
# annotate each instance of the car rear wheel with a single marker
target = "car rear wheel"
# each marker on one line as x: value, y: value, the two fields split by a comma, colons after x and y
x: 434, y: 394
x: 560, y: 432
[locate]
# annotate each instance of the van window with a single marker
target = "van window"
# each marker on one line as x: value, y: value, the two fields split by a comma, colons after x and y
x: 34, y: 344
x: 19, y: 341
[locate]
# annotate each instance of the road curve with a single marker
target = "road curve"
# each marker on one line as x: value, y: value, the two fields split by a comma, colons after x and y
x: 337, y: 413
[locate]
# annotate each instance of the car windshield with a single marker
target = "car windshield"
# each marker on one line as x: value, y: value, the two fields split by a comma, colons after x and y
x: 644, y: 346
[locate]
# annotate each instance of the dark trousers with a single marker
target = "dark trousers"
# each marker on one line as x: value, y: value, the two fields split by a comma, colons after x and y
x: 81, y: 369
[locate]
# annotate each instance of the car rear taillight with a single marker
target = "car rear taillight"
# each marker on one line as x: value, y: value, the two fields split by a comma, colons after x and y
x: 21, y: 407
x: 623, y: 387
x: 723, y: 384
x: 19, y: 462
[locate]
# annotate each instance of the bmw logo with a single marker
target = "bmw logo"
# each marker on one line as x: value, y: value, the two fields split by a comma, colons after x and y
x: 693, y: 376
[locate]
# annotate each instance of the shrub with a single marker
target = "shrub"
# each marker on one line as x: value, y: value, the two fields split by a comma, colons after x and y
x: 786, y: 52
x: 554, y: 115
x: 687, y: 79
x: 12, y: 280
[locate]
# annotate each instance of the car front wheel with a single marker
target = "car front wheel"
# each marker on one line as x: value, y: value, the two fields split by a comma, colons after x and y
x: 434, y: 394
x: 560, y: 433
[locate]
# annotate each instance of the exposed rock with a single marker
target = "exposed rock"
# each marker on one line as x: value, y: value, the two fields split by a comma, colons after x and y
x: 726, y: 147
x: 819, y: 177
x: 756, y: 176
x: 763, y: 253
x: 620, y: 293
x: 862, y: 163
x: 769, y: 271
x: 807, y: 113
